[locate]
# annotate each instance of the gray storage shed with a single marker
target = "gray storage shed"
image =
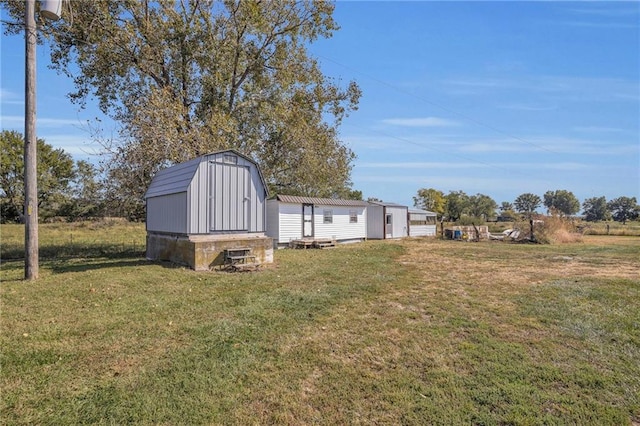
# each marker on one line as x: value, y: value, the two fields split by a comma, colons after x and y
x: 386, y: 220
x: 197, y: 209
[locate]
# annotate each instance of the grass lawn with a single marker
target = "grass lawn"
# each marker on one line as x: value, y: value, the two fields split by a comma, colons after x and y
x: 403, y: 332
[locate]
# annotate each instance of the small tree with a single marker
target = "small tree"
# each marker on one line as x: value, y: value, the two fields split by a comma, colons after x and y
x: 624, y: 208
x: 506, y: 206
x: 527, y: 203
x: 457, y: 203
x: 482, y: 206
x: 595, y: 209
x: 431, y: 200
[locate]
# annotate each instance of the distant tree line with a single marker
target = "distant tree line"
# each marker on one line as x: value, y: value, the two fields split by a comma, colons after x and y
x: 77, y: 190
x: 457, y: 204
x: 66, y: 188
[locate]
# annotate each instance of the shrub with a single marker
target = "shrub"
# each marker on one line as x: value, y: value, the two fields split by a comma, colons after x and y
x: 555, y: 230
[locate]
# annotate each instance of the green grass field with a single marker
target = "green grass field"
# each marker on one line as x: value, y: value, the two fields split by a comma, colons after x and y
x: 403, y: 332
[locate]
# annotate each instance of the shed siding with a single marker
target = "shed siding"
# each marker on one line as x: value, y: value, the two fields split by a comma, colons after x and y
x: 219, y: 193
x: 399, y: 225
x: 422, y: 230
x: 167, y: 213
x: 198, y: 204
x: 273, y: 220
x: 290, y: 222
x: 257, y: 200
x: 375, y: 222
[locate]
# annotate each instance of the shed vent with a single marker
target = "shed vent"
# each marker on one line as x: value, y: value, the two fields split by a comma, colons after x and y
x: 231, y: 159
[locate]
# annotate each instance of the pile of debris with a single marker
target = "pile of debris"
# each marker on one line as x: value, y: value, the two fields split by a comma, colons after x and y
x: 467, y: 233
x: 508, y: 234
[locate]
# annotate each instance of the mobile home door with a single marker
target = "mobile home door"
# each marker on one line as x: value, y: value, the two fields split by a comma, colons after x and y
x: 307, y: 220
x: 388, y: 228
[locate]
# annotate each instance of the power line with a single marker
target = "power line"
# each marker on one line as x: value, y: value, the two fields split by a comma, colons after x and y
x: 440, y: 106
x: 421, y: 145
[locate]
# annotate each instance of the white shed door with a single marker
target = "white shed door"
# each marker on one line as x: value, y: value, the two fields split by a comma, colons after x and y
x: 229, y: 197
x: 389, y: 225
x: 307, y: 220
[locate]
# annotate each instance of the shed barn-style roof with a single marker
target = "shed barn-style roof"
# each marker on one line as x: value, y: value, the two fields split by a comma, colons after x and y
x: 173, y: 179
x: 177, y: 178
x: 294, y: 199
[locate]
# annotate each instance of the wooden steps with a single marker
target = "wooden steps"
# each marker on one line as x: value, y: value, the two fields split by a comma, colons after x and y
x: 307, y: 243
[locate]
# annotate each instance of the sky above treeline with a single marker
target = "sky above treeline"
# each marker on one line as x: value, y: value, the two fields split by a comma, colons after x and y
x: 496, y: 98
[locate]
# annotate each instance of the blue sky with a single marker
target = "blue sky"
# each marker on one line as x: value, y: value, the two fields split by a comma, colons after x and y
x: 497, y: 98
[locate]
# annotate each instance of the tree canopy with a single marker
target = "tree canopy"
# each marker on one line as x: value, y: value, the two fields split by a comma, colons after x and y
x: 431, y: 200
x: 457, y: 203
x: 482, y: 206
x: 527, y: 203
x: 55, y: 172
x: 595, y: 209
x: 561, y: 201
x: 624, y: 208
x: 189, y: 78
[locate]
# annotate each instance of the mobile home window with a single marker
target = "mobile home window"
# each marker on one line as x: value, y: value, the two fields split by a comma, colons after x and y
x: 328, y: 216
x: 353, y: 216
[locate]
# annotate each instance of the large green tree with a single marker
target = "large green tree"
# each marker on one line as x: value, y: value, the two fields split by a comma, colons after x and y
x: 595, y: 209
x: 561, y: 201
x: 482, y: 206
x: 624, y: 208
x: 431, y: 200
x: 55, y: 170
x: 190, y: 77
x: 527, y: 203
x: 457, y: 203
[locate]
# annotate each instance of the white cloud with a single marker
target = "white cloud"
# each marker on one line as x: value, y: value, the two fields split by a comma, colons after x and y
x: 525, y: 107
x: 597, y: 129
x: 74, y: 144
x: 419, y: 165
x: 421, y: 122
x: 17, y: 121
x: 557, y: 87
x: 7, y: 97
x: 448, y: 165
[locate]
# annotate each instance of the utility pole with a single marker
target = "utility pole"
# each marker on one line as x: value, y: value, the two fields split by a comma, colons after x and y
x: 51, y: 9
x: 30, y: 147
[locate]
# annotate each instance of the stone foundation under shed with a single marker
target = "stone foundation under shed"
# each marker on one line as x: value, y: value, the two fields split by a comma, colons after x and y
x: 205, y: 252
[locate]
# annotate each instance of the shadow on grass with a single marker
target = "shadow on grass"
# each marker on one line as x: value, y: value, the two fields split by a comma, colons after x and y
x: 78, y: 264
x: 54, y: 252
x: 62, y: 267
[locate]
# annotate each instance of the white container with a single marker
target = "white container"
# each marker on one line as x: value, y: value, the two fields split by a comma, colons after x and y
x: 51, y: 9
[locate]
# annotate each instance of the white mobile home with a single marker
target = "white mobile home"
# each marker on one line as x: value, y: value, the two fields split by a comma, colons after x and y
x: 422, y: 223
x: 198, y: 209
x: 291, y: 218
x: 386, y: 220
